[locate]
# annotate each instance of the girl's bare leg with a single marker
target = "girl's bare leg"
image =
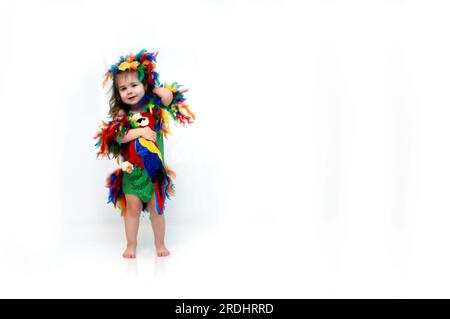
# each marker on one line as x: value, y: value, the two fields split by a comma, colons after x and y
x: 134, y: 208
x: 159, y: 229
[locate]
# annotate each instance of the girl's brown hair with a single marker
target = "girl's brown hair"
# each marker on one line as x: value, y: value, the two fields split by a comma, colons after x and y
x: 115, y: 102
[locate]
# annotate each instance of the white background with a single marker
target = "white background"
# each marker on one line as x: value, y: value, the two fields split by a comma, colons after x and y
x: 318, y: 166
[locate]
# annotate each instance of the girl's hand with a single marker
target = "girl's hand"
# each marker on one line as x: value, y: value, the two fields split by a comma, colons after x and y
x: 148, y: 134
x: 166, y: 95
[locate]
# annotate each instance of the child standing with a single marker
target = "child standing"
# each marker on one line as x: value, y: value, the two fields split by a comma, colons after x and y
x: 140, y: 108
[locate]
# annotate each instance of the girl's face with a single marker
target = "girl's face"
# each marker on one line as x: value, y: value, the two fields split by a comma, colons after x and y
x: 131, y: 90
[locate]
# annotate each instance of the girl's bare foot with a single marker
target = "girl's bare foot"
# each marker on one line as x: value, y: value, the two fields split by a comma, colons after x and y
x: 162, y: 251
x: 130, y: 252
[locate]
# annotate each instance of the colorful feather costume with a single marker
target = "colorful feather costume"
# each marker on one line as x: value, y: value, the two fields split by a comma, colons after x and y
x: 143, y: 160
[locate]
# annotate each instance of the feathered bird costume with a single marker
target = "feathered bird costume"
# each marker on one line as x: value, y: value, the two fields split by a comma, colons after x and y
x: 143, y: 171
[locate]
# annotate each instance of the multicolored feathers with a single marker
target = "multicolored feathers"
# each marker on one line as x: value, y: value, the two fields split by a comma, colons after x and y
x: 116, y: 195
x: 144, y: 62
x: 177, y: 110
x: 109, y: 136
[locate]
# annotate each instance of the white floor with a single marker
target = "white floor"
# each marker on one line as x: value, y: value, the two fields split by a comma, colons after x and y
x: 230, y: 261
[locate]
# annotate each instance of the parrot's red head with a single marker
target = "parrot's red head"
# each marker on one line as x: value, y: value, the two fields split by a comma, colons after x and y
x: 144, y: 119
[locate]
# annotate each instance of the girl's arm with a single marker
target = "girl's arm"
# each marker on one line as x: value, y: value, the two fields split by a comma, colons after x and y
x: 135, y: 133
x: 165, y: 95
x: 131, y: 135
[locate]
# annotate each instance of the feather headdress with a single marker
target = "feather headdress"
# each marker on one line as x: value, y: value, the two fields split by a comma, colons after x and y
x: 144, y: 63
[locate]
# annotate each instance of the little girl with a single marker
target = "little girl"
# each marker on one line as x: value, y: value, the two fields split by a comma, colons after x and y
x: 140, y: 108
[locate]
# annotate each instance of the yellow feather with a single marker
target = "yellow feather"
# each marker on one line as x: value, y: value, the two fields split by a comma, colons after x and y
x: 151, y: 146
x: 166, y: 121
